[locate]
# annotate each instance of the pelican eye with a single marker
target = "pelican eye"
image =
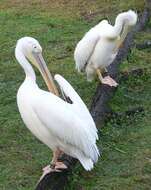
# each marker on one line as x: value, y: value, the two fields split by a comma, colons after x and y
x: 35, y: 48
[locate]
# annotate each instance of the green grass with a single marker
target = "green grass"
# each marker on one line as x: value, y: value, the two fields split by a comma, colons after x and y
x: 125, y: 142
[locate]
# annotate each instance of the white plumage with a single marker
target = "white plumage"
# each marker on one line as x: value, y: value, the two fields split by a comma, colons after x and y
x: 99, y: 46
x: 58, y: 124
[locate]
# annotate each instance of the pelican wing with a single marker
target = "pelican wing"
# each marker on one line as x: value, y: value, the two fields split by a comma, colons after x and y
x: 77, y: 104
x: 69, y: 90
x: 64, y: 124
x: 85, y: 48
x: 86, y: 45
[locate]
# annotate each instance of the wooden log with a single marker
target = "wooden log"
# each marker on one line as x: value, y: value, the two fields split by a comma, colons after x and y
x: 99, y: 108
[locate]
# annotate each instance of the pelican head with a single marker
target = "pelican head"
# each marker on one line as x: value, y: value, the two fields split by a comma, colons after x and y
x: 32, y: 51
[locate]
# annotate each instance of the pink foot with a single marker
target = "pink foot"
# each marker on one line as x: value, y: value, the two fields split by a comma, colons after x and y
x: 109, y: 81
x: 57, y: 168
x: 60, y: 165
x: 46, y: 168
x: 46, y: 171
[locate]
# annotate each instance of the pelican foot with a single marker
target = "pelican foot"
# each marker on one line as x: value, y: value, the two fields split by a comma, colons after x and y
x: 109, y: 81
x: 57, y: 167
x: 60, y: 166
x: 48, y: 169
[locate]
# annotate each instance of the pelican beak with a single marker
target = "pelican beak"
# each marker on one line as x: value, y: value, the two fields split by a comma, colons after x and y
x: 45, y: 72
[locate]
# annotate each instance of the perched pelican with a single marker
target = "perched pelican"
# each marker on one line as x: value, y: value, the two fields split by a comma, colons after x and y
x: 62, y: 126
x: 99, y: 46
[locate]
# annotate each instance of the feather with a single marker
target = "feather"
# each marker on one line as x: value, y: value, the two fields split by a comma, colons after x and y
x: 78, y: 105
x: 86, y: 46
x: 68, y: 127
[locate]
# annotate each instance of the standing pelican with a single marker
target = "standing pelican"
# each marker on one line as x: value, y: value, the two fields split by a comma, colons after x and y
x: 100, y: 45
x: 63, y: 127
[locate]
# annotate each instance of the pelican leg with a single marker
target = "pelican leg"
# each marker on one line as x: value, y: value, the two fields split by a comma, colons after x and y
x: 106, y: 80
x: 55, y: 165
x: 56, y: 155
x: 58, y: 164
x: 52, y: 165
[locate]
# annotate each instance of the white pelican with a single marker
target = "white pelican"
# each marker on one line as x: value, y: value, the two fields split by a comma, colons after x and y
x: 99, y: 46
x: 63, y: 127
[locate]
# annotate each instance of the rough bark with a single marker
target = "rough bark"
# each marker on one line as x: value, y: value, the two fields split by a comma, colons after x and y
x: 99, y: 108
